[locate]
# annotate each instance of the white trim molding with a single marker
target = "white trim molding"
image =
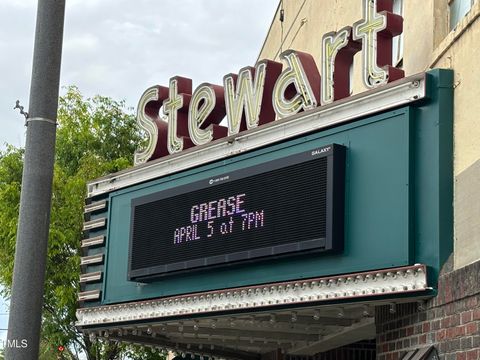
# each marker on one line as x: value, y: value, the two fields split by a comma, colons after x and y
x: 91, y: 277
x: 395, y: 94
x: 91, y: 260
x: 89, y: 295
x: 94, y: 241
x: 95, y: 206
x: 380, y: 283
x: 94, y: 224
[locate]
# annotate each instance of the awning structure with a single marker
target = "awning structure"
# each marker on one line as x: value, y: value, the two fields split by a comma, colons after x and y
x: 299, y: 317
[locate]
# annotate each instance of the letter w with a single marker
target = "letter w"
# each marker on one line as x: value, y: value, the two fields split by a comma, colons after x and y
x: 250, y: 103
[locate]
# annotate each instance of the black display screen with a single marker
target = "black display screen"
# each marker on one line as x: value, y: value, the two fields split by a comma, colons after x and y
x: 276, y: 208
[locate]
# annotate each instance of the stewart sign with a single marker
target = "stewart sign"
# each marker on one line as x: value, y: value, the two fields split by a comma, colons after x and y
x: 266, y: 92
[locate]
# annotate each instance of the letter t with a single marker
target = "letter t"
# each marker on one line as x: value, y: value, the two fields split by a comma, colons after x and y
x: 376, y: 30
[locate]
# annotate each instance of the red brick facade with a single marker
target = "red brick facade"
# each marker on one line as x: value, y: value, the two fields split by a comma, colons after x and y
x: 450, y: 321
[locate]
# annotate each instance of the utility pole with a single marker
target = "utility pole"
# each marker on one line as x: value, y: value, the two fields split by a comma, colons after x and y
x: 23, y: 338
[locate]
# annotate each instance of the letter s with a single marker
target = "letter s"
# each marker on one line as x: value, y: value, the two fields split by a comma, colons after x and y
x: 151, y: 122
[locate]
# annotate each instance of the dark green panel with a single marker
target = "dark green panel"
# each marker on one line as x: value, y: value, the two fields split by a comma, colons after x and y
x: 377, y: 216
x: 433, y: 166
x: 398, y: 202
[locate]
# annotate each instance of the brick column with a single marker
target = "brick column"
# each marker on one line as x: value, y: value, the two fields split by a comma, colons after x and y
x: 450, y: 321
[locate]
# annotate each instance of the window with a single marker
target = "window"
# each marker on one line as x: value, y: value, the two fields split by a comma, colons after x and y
x: 458, y: 9
x: 397, y: 41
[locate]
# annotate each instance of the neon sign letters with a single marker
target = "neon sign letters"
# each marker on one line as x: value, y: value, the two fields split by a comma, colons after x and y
x: 266, y: 92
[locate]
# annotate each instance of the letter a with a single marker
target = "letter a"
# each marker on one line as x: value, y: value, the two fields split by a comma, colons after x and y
x: 298, y: 87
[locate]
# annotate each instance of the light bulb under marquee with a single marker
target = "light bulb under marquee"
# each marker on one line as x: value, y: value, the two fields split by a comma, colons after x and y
x: 371, y: 285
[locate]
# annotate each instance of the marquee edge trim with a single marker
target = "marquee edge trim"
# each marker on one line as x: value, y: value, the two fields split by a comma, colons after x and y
x: 392, y: 281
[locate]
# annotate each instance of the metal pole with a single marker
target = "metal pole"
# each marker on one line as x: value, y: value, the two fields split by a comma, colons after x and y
x: 23, y: 336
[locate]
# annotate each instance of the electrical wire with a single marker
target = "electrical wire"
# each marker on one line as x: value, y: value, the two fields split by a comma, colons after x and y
x: 282, y: 19
x: 279, y: 51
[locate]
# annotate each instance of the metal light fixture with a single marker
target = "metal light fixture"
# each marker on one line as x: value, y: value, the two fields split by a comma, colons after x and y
x: 294, y: 317
x: 273, y: 319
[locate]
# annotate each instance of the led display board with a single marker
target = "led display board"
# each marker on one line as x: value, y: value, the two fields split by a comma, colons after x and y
x: 285, y: 206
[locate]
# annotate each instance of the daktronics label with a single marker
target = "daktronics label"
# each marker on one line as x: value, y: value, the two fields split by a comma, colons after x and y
x: 278, y: 208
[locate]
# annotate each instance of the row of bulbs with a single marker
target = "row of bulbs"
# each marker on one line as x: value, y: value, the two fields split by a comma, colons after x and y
x: 273, y: 319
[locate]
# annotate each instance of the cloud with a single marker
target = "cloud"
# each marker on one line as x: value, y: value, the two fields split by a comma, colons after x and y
x: 81, y: 43
x: 119, y: 48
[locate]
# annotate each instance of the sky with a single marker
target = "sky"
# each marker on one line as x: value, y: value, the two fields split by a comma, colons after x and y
x: 119, y: 48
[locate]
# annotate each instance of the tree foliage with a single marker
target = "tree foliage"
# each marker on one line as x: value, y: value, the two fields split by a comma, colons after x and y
x: 94, y: 137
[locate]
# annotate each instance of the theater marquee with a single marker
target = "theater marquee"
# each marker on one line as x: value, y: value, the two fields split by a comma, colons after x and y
x: 285, y: 225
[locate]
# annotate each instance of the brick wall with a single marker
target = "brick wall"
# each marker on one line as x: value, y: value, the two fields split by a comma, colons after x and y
x: 450, y: 321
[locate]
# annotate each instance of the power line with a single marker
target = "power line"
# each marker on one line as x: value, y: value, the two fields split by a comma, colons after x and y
x: 289, y: 29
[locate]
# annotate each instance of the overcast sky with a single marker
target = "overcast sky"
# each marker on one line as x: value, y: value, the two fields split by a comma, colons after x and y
x: 118, y: 48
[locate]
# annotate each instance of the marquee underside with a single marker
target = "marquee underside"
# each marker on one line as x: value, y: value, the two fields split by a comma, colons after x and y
x: 301, y: 318
x: 397, y: 224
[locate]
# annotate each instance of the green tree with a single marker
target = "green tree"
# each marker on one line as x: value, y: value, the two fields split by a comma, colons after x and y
x: 95, y: 137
